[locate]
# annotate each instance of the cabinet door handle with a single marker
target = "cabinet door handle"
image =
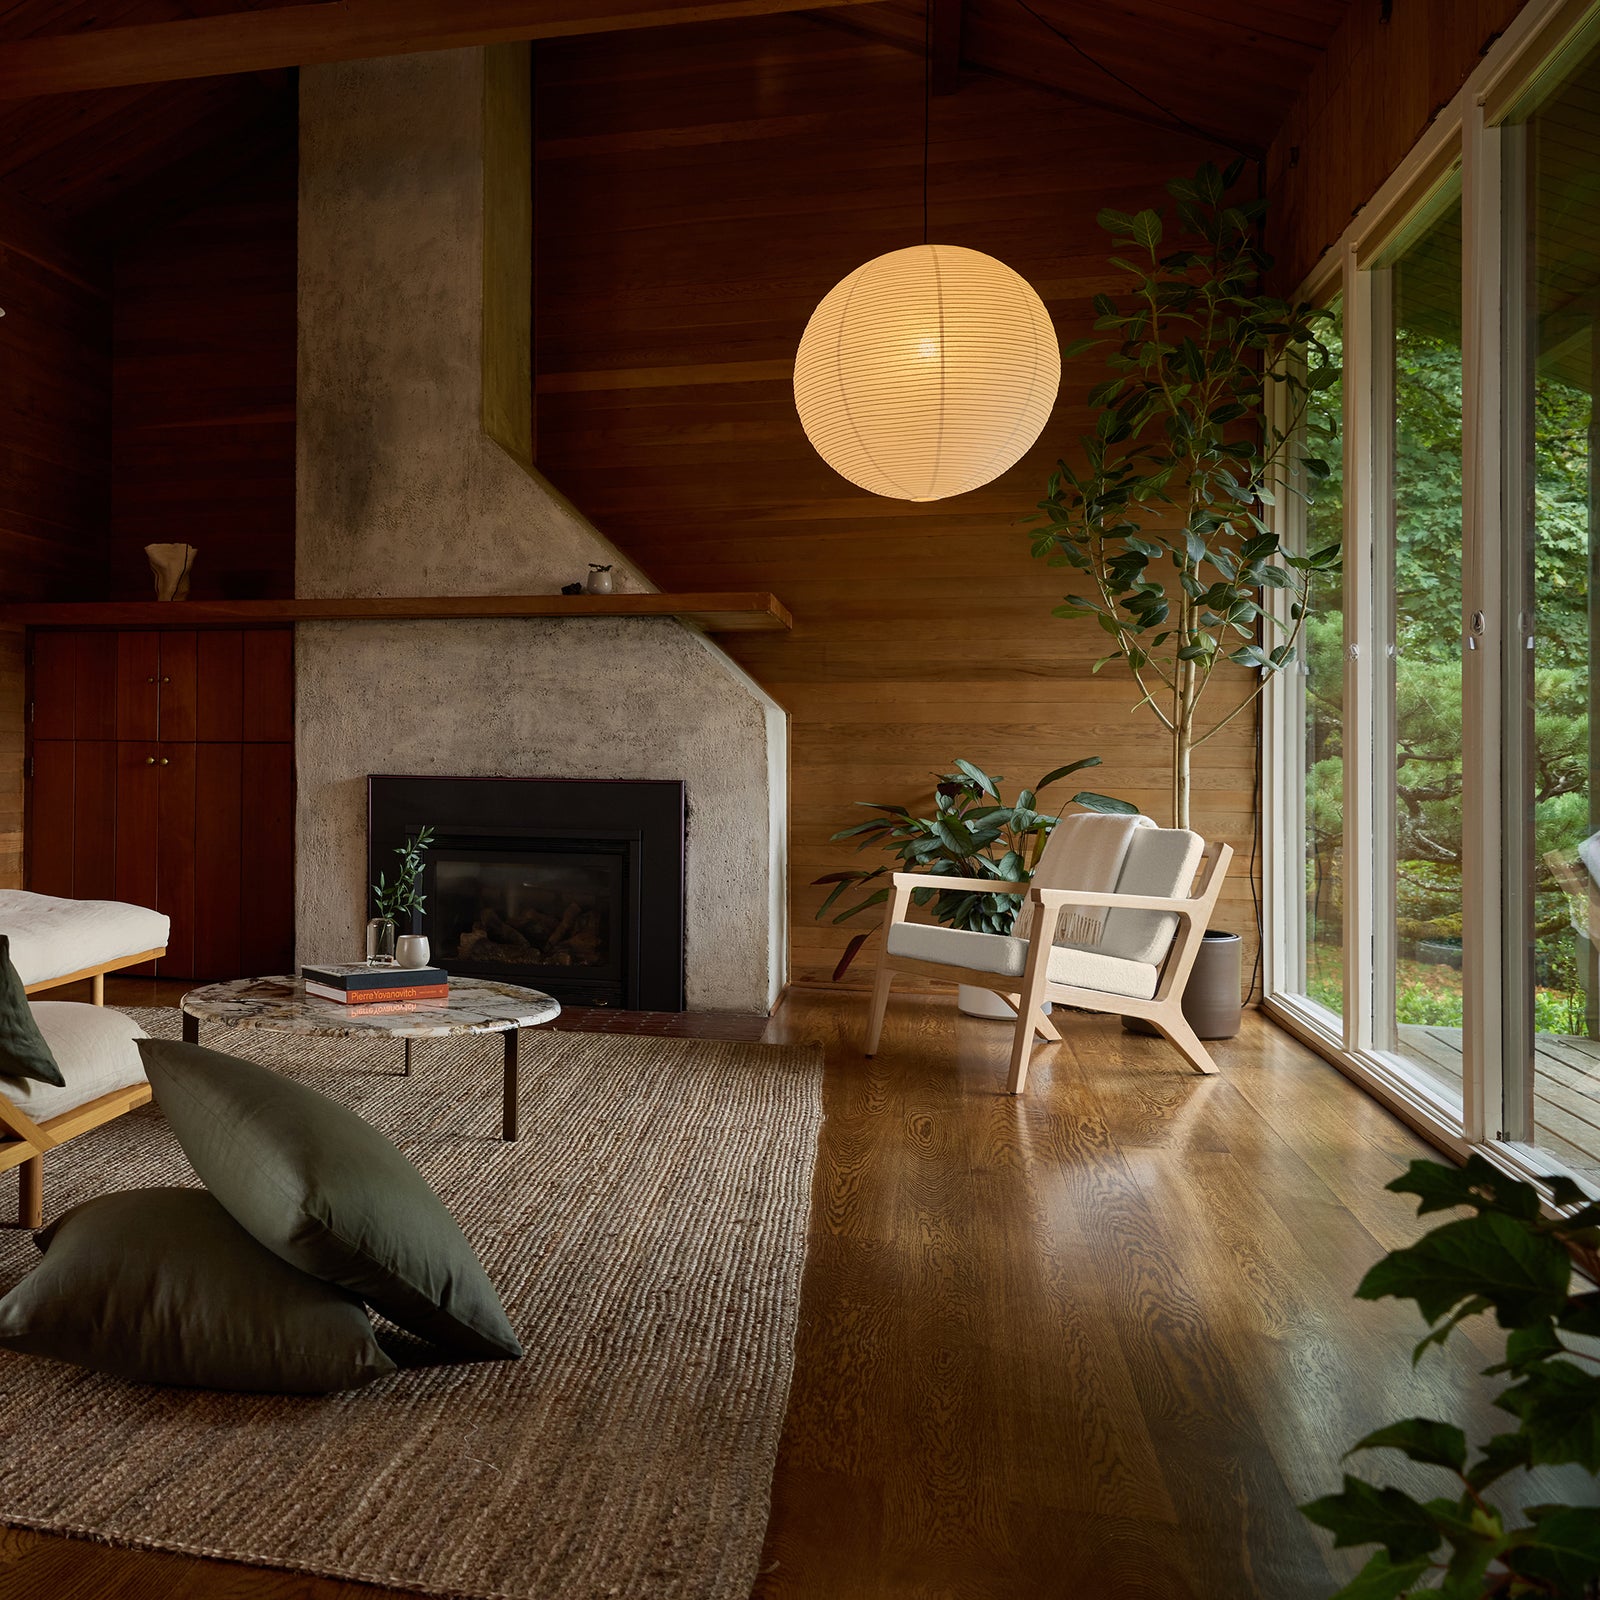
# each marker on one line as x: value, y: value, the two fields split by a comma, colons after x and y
x: 165, y: 762
x: 166, y: 680
x: 149, y: 761
x: 149, y: 680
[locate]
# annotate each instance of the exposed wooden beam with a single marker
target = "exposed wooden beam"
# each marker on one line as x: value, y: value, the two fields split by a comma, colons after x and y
x: 331, y: 30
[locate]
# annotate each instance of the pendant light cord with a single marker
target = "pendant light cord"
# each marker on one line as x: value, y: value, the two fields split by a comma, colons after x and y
x: 1134, y: 89
x: 927, y: 104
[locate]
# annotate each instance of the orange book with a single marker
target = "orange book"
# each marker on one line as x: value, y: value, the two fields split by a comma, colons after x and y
x: 382, y: 1008
x: 367, y: 997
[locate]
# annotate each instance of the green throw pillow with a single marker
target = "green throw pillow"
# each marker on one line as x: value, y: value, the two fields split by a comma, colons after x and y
x: 23, y: 1052
x: 326, y: 1192
x: 163, y: 1286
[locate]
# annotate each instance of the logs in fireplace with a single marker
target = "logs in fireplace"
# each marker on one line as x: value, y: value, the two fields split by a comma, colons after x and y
x: 571, y: 886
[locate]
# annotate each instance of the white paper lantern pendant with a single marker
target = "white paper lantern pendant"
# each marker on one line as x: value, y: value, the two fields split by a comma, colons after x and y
x: 927, y: 372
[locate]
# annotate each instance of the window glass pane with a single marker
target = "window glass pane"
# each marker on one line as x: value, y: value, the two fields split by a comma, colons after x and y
x: 1323, y: 654
x: 1553, y: 184
x: 1418, y: 990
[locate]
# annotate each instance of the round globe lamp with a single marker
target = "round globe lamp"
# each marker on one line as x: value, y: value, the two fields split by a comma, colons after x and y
x: 927, y: 372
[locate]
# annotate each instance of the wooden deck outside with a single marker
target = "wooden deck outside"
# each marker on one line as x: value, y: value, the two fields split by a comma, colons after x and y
x: 1566, y: 1087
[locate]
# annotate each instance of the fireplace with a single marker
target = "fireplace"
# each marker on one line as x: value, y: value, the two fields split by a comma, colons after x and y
x: 571, y: 886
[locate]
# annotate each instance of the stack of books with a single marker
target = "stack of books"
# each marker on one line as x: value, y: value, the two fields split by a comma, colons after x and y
x: 378, y: 990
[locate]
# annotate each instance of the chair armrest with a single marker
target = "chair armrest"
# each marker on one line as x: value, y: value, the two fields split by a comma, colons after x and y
x: 929, y: 880
x: 1055, y: 899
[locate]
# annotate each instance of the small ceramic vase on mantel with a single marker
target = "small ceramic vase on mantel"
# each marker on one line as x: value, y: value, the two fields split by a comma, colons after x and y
x: 599, y: 578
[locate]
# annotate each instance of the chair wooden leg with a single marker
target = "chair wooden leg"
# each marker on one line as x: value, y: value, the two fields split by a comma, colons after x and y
x: 97, y: 989
x: 1021, y: 1053
x: 30, y: 1193
x: 880, y: 1004
x: 1030, y: 1018
x: 1042, y: 1025
x: 1175, y: 1027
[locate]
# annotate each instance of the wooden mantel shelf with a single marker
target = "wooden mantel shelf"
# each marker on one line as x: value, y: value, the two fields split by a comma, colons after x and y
x: 716, y: 613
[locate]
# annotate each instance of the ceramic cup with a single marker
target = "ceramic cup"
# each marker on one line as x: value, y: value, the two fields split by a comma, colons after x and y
x: 411, y: 950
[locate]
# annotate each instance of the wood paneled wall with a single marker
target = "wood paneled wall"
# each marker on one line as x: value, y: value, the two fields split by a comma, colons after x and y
x: 698, y: 190
x: 203, y: 380
x: 1369, y: 100
x: 54, y: 454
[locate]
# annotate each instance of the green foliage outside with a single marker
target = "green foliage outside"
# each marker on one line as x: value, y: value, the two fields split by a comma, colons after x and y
x: 974, y: 832
x: 1475, y: 1538
x: 1428, y: 693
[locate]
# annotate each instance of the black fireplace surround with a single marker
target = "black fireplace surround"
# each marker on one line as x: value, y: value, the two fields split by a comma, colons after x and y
x: 570, y: 885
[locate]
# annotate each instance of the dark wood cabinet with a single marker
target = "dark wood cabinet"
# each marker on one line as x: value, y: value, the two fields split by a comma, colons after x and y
x: 162, y: 773
x: 156, y: 685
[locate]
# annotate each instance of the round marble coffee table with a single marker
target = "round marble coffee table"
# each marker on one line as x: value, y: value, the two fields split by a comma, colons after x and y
x: 475, y: 1005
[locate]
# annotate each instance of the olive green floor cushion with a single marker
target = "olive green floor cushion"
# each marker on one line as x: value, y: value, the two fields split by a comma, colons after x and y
x: 327, y: 1193
x: 23, y: 1051
x: 163, y: 1286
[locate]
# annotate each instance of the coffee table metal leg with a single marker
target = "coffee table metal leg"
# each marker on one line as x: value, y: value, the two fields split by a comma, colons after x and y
x: 407, y: 1072
x: 508, y: 1124
x: 191, y: 1029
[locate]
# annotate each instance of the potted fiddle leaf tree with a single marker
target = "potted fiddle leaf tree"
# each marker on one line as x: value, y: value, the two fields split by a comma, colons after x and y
x: 1204, y: 421
x: 973, y: 832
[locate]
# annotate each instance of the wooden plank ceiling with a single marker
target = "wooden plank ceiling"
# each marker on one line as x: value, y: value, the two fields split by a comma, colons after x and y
x: 94, y: 156
x: 105, y: 164
x: 1230, y: 68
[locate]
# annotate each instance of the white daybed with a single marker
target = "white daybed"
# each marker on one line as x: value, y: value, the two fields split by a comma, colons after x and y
x: 62, y: 941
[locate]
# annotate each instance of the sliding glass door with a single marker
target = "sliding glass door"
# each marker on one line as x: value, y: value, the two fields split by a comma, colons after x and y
x: 1433, y: 774
x: 1551, y: 183
x: 1416, y: 860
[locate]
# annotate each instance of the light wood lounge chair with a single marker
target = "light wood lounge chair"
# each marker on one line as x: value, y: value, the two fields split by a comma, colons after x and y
x: 1138, y: 967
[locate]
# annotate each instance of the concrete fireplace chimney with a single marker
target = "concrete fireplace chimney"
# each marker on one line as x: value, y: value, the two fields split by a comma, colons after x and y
x: 415, y: 478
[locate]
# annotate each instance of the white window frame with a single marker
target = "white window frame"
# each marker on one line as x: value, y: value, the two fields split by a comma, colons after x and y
x: 1494, y: 1022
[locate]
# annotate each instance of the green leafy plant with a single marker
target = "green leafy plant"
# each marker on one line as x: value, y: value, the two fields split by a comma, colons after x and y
x: 973, y: 833
x: 1166, y: 512
x: 1512, y: 1259
x: 403, y: 897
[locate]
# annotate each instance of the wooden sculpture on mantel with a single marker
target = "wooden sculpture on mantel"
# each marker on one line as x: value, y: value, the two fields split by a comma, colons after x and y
x: 171, y: 565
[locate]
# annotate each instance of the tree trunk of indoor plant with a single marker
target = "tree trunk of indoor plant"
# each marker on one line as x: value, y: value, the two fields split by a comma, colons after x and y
x: 1211, y: 998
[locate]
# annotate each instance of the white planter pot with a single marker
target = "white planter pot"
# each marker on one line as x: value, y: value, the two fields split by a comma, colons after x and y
x: 972, y: 1001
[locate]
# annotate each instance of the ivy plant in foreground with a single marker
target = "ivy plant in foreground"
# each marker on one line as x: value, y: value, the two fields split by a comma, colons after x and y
x: 1512, y: 1259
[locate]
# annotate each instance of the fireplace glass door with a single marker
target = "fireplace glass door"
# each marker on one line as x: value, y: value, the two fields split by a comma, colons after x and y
x: 531, y: 910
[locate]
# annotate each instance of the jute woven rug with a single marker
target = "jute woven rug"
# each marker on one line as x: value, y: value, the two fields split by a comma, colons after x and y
x: 647, y: 1236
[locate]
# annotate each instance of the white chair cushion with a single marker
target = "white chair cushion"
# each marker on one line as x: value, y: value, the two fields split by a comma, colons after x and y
x: 955, y: 947
x: 1006, y: 957
x: 51, y: 937
x: 95, y: 1049
x: 1161, y: 862
x: 1094, y: 969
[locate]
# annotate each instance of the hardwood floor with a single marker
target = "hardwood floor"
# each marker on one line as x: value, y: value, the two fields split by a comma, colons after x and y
x: 1096, y: 1341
